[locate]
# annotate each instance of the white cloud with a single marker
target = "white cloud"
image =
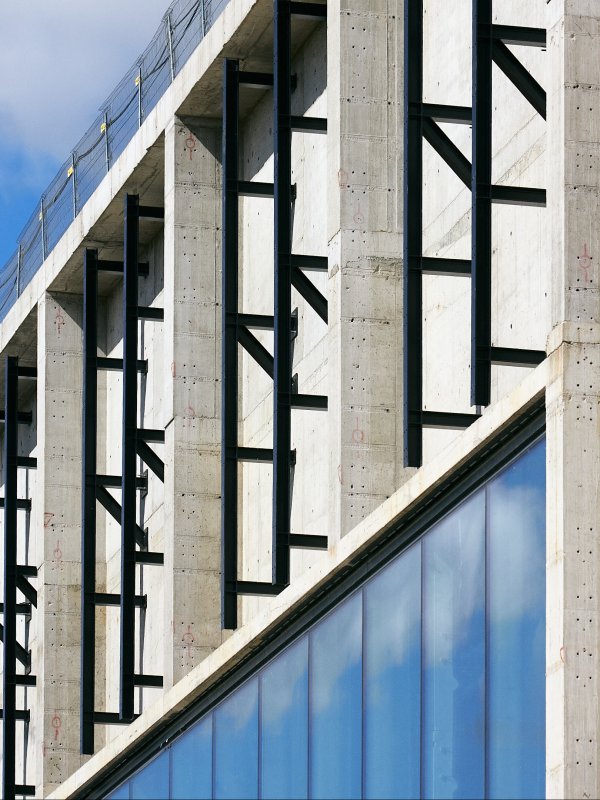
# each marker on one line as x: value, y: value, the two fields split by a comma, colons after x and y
x: 59, y: 60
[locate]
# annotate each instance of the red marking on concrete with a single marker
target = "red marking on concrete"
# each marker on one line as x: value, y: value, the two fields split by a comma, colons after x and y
x: 188, y: 639
x: 173, y: 369
x: 358, y: 435
x: 56, y: 723
x: 59, y: 321
x: 58, y: 552
x: 342, y: 178
x: 189, y: 414
x: 47, y: 519
x: 44, y: 749
x: 358, y: 215
x: 340, y: 472
x: 585, y: 262
x: 190, y: 144
x: 562, y: 654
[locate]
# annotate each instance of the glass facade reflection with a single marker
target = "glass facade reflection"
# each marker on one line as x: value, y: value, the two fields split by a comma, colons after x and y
x: 428, y: 681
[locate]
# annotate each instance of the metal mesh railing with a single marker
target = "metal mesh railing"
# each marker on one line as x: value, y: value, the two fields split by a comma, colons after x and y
x: 182, y: 28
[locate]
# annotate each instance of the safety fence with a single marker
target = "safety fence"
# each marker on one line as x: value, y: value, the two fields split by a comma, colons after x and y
x: 182, y: 28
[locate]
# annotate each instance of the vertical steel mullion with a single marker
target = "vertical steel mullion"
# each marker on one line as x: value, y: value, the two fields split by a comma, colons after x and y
x: 10, y: 576
x: 282, y: 373
x: 481, y: 187
x: 129, y: 456
x: 88, y: 541
x: 229, y: 388
x: 413, y: 236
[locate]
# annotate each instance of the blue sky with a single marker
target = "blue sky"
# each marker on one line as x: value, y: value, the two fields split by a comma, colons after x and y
x: 59, y: 60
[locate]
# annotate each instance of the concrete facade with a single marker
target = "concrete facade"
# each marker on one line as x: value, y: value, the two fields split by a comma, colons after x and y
x: 349, y: 480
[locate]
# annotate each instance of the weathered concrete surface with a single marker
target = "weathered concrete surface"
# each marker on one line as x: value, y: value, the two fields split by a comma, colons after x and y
x: 573, y: 403
x: 191, y: 396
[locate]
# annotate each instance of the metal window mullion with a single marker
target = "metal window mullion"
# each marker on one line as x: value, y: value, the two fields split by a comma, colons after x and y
x: 88, y: 541
x: 413, y: 225
x: 282, y: 373
x: 481, y: 188
x: 10, y: 577
x: 129, y: 456
x: 230, y: 270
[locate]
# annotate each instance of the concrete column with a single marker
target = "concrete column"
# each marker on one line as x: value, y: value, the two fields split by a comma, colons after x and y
x: 56, y: 522
x: 192, y: 533
x: 364, y: 89
x: 573, y: 398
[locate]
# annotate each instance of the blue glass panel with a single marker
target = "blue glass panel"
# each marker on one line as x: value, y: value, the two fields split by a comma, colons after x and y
x: 336, y: 703
x: 236, y: 745
x: 122, y: 793
x: 284, y: 725
x: 152, y: 782
x: 517, y: 640
x: 392, y: 675
x: 191, y: 763
x: 454, y: 654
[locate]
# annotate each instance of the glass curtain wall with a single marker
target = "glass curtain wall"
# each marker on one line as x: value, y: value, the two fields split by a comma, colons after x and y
x: 428, y: 681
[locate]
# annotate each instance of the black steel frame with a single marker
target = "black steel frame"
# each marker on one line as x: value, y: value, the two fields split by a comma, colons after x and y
x: 421, y: 122
x: 15, y: 579
x: 289, y: 272
x: 95, y: 487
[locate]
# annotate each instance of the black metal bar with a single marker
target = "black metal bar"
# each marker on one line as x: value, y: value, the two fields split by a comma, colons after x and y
x: 445, y: 419
x: 311, y: 10
x: 27, y: 462
x: 22, y: 655
x: 413, y: 237
x: 115, y: 510
x: 26, y: 589
x: 457, y: 115
x: 310, y: 402
x: 309, y: 124
x: 307, y: 541
x: 310, y: 293
x: 446, y: 266
x: 282, y: 377
x: 28, y: 372
x: 150, y: 458
x: 520, y: 35
x: 258, y: 352
x: 148, y: 680
x: 26, y: 571
x: 258, y: 588
x: 481, y: 213
x: 518, y: 195
x: 117, y: 266
x: 116, y: 364
x: 23, y: 417
x: 259, y: 455
x: 255, y: 80
x: 114, y: 482
x: 229, y: 376
x: 149, y: 212
x: 260, y: 322
x: 107, y: 599
x: 26, y: 680
x: 21, y: 715
x: 512, y: 357
x: 26, y: 789
x: 23, y: 503
x: 446, y: 148
x: 133, y: 211
x: 156, y: 435
x: 520, y: 77
x: 310, y: 263
x: 88, y: 502
x: 149, y: 313
x: 21, y: 608
x: 110, y: 718
x: 146, y: 557
x: 9, y: 684
x: 255, y: 189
